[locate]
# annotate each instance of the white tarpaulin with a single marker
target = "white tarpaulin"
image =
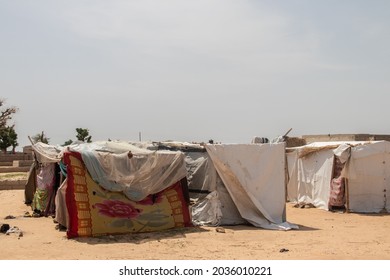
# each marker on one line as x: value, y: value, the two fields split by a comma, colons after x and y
x: 367, y: 171
x: 310, y: 178
x: 254, y: 176
x: 45, y: 153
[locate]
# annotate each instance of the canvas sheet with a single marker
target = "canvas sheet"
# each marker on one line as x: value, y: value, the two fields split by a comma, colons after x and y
x: 305, y: 150
x: 94, y: 211
x: 368, y: 173
x: 310, y: 178
x: 45, y: 153
x: 254, y: 177
x: 230, y: 213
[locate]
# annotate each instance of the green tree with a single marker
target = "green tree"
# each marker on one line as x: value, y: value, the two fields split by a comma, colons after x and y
x: 70, y: 141
x: 13, y: 136
x: 8, y: 138
x: 83, y: 135
x: 40, y: 137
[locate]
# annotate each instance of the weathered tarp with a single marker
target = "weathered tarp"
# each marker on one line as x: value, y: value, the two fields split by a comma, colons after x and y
x: 310, y: 177
x: 45, y: 153
x: 254, y: 176
x: 368, y: 174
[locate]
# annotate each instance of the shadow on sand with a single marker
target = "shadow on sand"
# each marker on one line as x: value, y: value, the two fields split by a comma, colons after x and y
x: 140, y: 238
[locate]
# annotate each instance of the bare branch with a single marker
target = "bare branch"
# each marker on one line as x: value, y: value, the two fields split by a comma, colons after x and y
x: 6, y: 114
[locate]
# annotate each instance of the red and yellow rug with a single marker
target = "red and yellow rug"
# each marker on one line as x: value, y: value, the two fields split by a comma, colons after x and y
x: 94, y: 211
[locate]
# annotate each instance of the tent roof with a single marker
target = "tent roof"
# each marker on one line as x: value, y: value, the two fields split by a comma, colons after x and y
x: 318, y: 146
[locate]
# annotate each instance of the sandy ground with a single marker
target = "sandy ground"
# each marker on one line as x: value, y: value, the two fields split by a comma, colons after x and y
x: 322, y: 235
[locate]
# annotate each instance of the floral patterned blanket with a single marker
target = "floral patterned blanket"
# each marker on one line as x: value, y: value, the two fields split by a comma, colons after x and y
x: 94, y: 211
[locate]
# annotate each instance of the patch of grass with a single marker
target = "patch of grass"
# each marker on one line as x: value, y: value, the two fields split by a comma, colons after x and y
x: 14, y: 176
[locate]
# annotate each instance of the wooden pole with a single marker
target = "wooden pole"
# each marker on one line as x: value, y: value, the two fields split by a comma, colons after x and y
x: 346, y: 194
x: 287, y: 132
x: 29, y: 138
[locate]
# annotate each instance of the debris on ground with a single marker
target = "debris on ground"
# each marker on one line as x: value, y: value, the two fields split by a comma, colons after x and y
x: 220, y: 230
x: 304, y: 205
x: 4, y: 228
x: 27, y: 215
x: 60, y: 227
x: 9, y: 217
x: 15, y: 230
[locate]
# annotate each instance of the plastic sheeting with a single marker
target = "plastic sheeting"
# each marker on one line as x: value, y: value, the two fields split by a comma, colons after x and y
x: 213, y: 204
x: 254, y: 177
x: 207, y: 211
x: 201, y: 174
x: 137, y: 174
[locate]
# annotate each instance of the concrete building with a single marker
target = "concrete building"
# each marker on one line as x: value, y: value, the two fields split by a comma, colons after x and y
x: 345, y: 137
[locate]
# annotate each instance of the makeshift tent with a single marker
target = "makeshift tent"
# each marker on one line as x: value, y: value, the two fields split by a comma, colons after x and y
x: 228, y: 184
x: 116, y: 187
x: 358, y: 171
x: 310, y: 171
x: 43, y: 180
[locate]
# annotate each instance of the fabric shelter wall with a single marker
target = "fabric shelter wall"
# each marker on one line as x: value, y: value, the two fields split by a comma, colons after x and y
x: 254, y: 177
x: 369, y: 178
x: 310, y: 179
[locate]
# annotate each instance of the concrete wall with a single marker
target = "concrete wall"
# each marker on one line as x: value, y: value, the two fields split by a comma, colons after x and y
x: 16, y: 156
x: 10, y: 169
x: 345, y: 137
x: 13, y: 185
x: 295, y: 142
x: 18, y: 162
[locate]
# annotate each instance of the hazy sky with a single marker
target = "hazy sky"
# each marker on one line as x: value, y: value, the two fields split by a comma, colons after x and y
x: 196, y: 70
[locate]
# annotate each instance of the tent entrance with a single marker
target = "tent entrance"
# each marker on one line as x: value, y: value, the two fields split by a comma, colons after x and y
x: 337, y: 196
